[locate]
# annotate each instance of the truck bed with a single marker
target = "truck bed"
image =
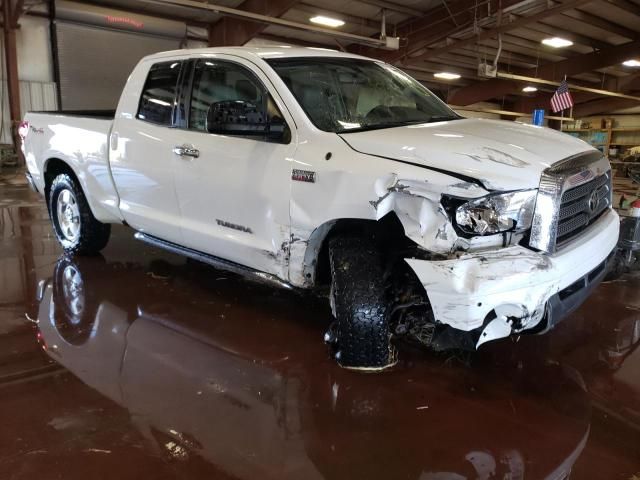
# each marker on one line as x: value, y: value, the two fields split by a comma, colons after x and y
x: 104, y: 114
x: 81, y: 139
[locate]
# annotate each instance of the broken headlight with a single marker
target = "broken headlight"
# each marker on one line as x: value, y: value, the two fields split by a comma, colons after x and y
x: 495, y: 213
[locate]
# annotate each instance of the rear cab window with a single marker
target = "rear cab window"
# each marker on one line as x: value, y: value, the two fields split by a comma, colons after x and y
x: 158, y: 98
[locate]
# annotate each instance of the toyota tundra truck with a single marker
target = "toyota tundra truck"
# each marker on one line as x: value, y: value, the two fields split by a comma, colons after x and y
x: 314, y: 169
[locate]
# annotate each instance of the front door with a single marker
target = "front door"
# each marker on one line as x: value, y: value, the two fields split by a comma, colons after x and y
x: 233, y: 190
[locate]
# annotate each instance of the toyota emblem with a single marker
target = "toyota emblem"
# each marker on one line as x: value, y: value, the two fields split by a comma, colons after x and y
x: 594, y: 199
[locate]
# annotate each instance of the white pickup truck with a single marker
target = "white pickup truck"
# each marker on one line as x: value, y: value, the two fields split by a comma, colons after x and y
x: 309, y: 168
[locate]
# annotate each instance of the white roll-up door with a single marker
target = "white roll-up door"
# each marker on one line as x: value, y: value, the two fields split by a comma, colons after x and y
x: 97, y: 48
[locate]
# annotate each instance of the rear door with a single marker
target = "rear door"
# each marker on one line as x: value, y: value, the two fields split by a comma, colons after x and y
x: 141, y: 156
x: 234, y: 195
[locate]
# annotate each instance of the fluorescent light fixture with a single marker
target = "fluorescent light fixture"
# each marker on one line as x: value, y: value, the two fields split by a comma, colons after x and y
x: 327, y: 21
x: 529, y: 89
x: 557, y: 42
x: 446, y: 75
x: 631, y: 63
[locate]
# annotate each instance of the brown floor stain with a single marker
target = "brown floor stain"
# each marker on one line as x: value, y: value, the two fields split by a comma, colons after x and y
x: 141, y: 364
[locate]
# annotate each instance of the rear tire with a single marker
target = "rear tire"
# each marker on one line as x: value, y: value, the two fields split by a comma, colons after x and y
x: 73, y: 302
x: 76, y: 228
x: 360, y: 335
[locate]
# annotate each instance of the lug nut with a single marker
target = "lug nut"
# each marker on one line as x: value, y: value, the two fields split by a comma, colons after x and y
x: 329, y: 337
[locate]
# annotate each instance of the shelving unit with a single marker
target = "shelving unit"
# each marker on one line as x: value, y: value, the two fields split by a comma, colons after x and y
x: 618, y: 136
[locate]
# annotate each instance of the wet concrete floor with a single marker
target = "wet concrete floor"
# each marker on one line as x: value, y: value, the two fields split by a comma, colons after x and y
x: 142, y: 364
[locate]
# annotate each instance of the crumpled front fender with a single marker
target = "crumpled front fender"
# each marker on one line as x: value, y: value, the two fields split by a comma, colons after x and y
x: 418, y: 207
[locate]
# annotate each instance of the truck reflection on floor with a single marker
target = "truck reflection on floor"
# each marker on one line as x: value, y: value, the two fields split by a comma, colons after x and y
x: 210, y: 373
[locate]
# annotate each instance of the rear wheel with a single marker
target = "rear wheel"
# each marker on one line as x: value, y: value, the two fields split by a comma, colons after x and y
x: 76, y: 228
x: 360, y: 335
x: 74, y: 306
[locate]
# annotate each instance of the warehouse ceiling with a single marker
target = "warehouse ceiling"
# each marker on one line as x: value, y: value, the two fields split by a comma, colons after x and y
x: 456, y: 36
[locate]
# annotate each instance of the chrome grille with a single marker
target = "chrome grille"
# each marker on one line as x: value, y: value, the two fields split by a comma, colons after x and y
x: 572, y: 194
x: 581, y: 205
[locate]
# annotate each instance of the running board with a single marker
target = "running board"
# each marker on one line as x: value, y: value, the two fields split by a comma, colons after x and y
x: 246, y: 272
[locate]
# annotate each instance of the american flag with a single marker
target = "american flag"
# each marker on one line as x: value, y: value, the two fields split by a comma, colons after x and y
x: 562, y: 99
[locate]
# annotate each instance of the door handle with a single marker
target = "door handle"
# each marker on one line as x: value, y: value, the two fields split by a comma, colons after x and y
x: 186, y: 151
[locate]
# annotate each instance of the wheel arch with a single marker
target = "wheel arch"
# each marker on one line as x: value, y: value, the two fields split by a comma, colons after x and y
x: 52, y: 167
x: 387, y: 231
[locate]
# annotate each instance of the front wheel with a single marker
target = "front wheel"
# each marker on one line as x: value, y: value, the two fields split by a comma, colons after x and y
x: 76, y: 228
x: 361, y: 335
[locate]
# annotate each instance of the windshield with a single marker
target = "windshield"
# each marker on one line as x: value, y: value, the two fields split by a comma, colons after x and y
x: 344, y: 95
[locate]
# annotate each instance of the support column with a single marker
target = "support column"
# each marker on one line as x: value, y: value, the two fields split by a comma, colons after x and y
x: 13, y: 84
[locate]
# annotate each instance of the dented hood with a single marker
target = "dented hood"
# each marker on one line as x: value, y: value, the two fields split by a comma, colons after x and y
x: 502, y: 155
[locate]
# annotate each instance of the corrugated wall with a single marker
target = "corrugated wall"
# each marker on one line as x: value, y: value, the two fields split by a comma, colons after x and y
x: 33, y: 96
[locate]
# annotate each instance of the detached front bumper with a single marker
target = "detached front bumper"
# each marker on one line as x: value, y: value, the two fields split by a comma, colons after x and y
x: 510, y: 290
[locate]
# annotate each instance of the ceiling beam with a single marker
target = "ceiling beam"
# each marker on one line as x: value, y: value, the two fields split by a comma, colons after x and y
x: 291, y: 41
x: 629, y: 86
x: 414, y: 12
x: 509, y: 61
x: 507, y: 58
x: 496, y: 88
x: 236, y: 31
x: 626, y: 5
x: 550, y: 30
x: 628, y: 82
x: 505, y: 27
x: 599, y: 22
x: 604, y: 105
x: 574, y: 87
x: 433, y: 25
x: 511, y: 43
x: 543, y: 100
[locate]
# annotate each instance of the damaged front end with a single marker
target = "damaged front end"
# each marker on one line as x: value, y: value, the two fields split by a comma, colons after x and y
x: 449, y: 219
x: 481, y: 279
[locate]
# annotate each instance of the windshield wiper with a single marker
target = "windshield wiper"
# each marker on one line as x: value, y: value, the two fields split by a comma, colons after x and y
x: 376, y: 126
x: 443, y: 118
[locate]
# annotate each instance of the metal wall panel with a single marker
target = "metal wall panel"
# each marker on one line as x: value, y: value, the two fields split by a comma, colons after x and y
x: 34, y: 96
x: 94, y: 63
x: 105, y: 17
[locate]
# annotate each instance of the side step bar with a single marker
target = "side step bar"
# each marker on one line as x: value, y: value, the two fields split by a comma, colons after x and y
x: 246, y: 272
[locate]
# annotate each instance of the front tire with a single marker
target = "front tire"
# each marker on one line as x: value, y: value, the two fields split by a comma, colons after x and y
x: 360, y: 335
x: 76, y: 228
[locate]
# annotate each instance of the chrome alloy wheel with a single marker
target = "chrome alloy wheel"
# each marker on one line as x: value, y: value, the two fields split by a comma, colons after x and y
x: 68, y: 215
x: 73, y: 290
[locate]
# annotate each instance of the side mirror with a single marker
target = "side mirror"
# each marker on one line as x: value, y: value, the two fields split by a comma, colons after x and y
x: 239, y: 117
x: 236, y: 117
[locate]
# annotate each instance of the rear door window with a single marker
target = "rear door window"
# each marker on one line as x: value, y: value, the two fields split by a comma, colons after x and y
x: 158, y: 98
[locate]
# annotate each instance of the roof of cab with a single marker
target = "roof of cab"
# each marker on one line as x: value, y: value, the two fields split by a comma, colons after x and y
x: 260, y: 52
